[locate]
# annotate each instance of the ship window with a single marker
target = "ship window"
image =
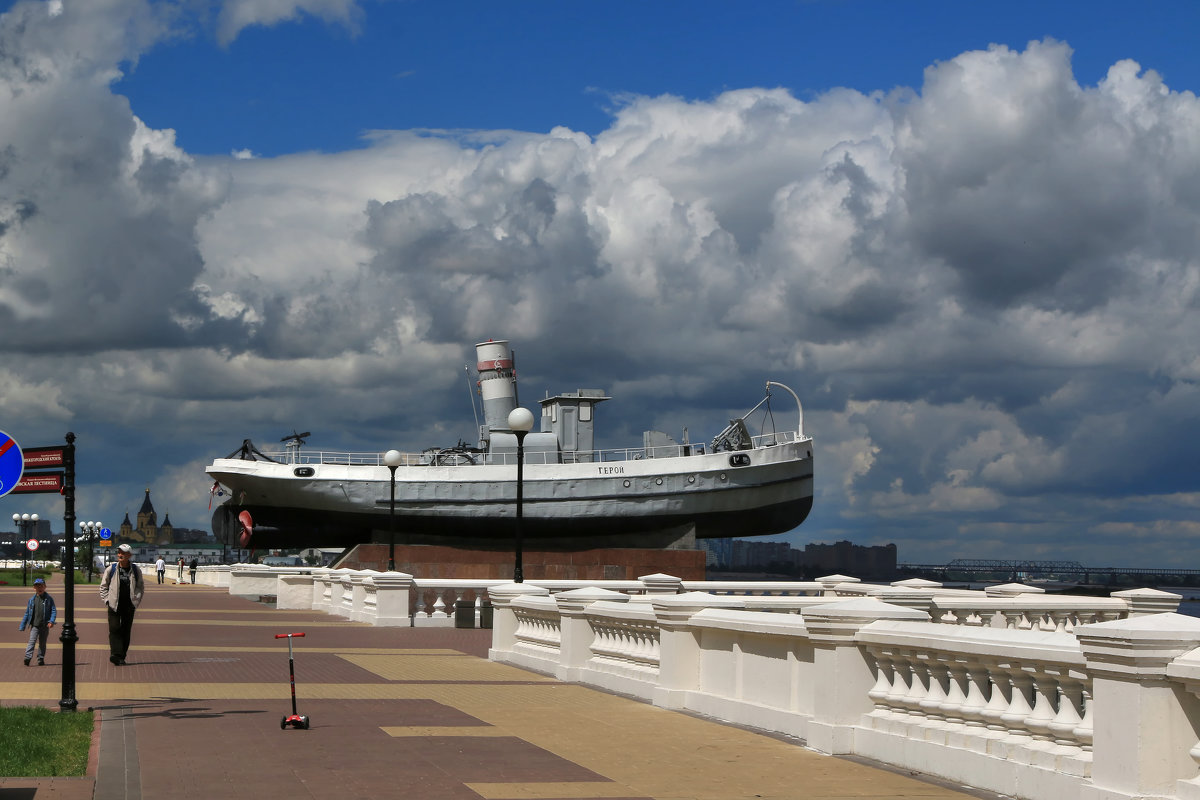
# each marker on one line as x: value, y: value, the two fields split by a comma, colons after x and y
x: 303, y: 472
x: 585, y: 412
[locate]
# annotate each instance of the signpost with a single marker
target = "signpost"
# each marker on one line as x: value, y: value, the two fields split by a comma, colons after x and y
x: 55, y: 474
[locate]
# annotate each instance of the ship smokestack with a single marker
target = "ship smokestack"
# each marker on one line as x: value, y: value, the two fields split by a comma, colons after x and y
x: 497, y: 383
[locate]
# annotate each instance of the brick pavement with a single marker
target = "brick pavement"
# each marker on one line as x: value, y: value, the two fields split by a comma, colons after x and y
x: 395, y: 712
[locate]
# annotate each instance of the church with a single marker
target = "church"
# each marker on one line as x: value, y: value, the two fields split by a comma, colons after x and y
x: 148, y: 531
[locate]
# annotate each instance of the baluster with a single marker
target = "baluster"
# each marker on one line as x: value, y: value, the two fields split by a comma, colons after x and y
x: 421, y: 604
x: 1013, y: 618
x: 439, y: 605
x: 1045, y: 691
x: 976, y: 700
x: 1019, y: 709
x: 1058, y: 618
x: 953, y: 707
x: 935, y: 694
x: 1083, y: 731
x: 1063, y: 726
x: 896, y: 695
x: 916, y: 686
x: 998, y: 701
x: 883, y: 684
x: 478, y: 609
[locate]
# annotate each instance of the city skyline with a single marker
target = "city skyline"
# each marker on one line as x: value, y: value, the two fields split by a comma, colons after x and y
x: 965, y: 235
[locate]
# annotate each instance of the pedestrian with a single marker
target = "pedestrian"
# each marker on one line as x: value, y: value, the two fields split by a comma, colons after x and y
x: 39, y: 617
x: 192, y: 567
x: 180, y: 570
x: 160, y: 567
x: 122, y: 601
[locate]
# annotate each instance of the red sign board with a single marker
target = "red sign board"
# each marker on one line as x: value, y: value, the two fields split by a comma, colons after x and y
x: 36, y: 482
x: 42, y: 457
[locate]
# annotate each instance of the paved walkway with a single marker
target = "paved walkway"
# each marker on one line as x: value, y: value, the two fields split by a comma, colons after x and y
x: 395, y: 712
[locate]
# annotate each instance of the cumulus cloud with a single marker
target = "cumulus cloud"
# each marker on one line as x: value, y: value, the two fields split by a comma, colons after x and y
x: 984, y: 288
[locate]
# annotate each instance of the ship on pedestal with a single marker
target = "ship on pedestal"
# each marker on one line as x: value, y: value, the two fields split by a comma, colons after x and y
x: 656, y: 495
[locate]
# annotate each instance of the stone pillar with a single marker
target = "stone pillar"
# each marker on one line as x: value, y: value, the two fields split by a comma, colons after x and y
x: 294, y: 591
x: 575, y: 647
x: 829, y: 581
x: 658, y: 583
x: 1149, y: 601
x: 504, y: 621
x: 842, y: 670
x: 358, y: 593
x: 1142, y: 734
x: 391, y: 599
x: 679, y: 644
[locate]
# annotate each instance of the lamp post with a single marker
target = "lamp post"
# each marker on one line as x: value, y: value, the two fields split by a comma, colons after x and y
x: 520, y: 422
x: 90, y: 529
x: 24, y: 523
x: 392, y: 458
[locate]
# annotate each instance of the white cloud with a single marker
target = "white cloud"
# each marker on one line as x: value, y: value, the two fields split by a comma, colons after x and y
x: 985, y: 292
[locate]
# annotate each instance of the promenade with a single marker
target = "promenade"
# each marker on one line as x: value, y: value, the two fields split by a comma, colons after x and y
x: 395, y: 712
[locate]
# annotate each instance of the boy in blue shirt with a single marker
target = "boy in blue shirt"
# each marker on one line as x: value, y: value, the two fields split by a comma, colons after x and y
x: 39, y: 617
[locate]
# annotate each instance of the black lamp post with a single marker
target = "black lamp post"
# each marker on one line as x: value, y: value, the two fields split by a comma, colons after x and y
x: 392, y: 458
x: 69, y: 637
x: 520, y: 422
x: 25, y: 522
x: 89, y: 530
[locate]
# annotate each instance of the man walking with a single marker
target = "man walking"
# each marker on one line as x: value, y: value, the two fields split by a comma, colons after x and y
x: 121, y: 590
x: 160, y: 567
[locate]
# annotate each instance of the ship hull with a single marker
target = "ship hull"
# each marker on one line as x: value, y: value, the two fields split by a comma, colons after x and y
x: 646, y: 502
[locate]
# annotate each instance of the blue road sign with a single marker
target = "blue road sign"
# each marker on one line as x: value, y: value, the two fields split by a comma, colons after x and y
x: 12, y: 463
x: 105, y: 534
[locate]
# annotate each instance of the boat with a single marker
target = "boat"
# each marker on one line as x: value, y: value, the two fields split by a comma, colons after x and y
x: 663, y: 493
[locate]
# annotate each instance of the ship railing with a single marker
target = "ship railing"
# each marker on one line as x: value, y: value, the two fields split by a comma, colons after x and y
x: 339, y: 458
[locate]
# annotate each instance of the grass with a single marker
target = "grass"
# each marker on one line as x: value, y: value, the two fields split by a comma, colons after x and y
x: 38, y: 742
x: 12, y: 577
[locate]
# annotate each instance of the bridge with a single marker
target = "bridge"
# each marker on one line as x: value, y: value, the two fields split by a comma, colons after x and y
x: 1069, y: 571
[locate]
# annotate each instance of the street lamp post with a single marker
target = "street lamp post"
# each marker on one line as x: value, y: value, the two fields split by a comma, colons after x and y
x: 90, y: 529
x: 520, y: 422
x: 392, y: 458
x: 25, y: 522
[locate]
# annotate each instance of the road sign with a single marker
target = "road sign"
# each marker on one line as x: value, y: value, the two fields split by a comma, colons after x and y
x: 12, y: 463
x: 32, y: 545
x: 39, y: 483
x: 105, y: 534
x: 43, y: 457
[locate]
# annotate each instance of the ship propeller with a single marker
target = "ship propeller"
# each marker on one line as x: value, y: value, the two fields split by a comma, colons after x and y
x: 245, y: 529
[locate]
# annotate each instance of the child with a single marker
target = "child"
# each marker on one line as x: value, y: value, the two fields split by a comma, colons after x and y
x: 39, y: 616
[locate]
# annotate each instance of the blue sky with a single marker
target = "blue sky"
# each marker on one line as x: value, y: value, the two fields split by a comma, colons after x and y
x: 965, y: 233
x: 310, y: 85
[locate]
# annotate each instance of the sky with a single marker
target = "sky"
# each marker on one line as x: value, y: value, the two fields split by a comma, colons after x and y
x: 965, y: 234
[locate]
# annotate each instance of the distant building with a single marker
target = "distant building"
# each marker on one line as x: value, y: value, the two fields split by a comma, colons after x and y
x: 149, y: 532
x: 741, y: 555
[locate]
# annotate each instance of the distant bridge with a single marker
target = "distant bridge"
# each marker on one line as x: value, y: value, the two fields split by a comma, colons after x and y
x: 1062, y: 570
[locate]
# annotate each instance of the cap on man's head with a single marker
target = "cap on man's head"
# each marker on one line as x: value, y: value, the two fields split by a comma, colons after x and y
x: 36, y: 581
x: 124, y: 548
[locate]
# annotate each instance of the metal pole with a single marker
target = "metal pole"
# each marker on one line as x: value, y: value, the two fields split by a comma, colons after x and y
x: 25, y: 552
x: 518, y: 571
x: 391, y: 527
x: 68, y: 636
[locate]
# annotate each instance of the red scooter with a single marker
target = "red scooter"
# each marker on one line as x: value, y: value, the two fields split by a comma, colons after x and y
x: 295, y: 720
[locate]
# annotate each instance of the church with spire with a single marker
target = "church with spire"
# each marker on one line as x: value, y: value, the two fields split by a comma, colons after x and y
x: 147, y: 531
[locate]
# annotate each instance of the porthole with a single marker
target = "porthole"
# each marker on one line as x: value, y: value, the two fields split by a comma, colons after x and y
x: 627, y: 483
x: 723, y: 476
x: 304, y: 472
x: 658, y: 481
x: 691, y: 478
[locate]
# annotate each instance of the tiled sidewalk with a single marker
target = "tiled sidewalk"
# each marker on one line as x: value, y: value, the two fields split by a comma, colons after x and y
x: 395, y: 712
